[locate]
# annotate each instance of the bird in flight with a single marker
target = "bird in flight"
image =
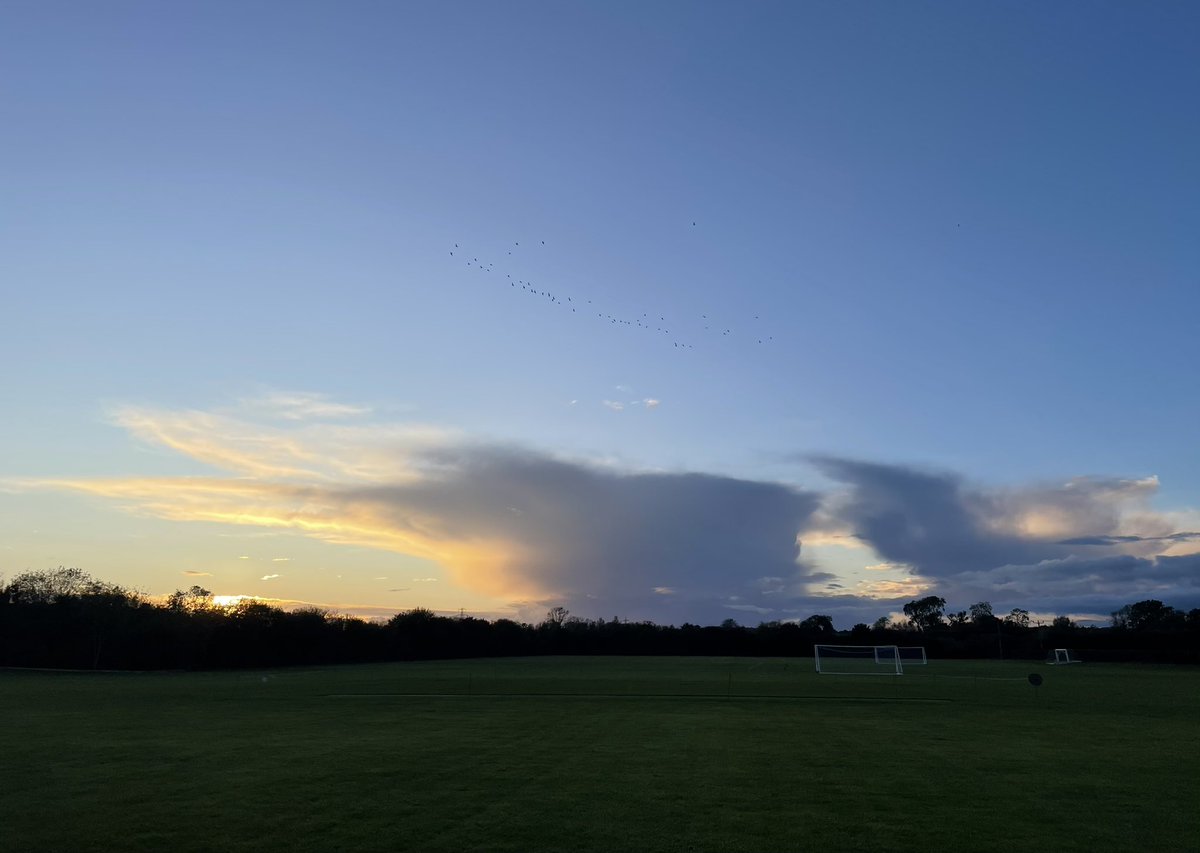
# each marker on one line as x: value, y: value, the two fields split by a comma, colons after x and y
x: 614, y: 320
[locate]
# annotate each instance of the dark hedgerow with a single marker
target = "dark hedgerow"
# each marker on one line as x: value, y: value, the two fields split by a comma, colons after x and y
x: 64, y: 618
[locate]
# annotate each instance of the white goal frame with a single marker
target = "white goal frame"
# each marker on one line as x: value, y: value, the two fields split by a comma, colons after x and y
x: 1062, y: 657
x: 886, y: 659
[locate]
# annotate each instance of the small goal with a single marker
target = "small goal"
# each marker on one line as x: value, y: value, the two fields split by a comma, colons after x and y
x: 1063, y: 656
x: 858, y: 660
x: 912, y: 655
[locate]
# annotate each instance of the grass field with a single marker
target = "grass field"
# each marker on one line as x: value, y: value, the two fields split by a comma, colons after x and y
x: 582, y: 754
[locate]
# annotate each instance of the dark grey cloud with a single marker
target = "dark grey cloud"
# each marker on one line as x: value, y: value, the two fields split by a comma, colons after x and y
x: 679, y: 547
x: 928, y: 520
x: 1086, y: 584
x: 937, y: 523
x: 1183, y: 536
x: 604, y: 540
x: 1006, y: 546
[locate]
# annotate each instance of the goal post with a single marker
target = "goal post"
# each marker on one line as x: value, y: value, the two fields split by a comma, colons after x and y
x: 857, y: 660
x: 1063, y: 656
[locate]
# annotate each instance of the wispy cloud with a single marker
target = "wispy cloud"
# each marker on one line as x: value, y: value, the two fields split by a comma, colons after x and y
x: 269, y: 577
x: 1187, y: 536
x: 193, y: 574
x: 295, y: 452
x: 622, y: 405
x: 750, y: 608
x: 299, y: 406
x: 891, y: 590
x: 887, y: 567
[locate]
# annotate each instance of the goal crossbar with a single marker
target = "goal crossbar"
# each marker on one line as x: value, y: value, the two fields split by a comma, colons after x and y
x: 858, y: 660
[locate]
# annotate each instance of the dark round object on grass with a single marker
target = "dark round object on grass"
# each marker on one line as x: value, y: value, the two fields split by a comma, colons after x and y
x: 1035, y: 679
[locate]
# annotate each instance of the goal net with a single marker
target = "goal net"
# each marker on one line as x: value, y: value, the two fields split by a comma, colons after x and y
x: 1063, y: 656
x: 912, y: 655
x: 858, y: 660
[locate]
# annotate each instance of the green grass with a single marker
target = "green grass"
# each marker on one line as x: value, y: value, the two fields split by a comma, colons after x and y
x: 606, y: 754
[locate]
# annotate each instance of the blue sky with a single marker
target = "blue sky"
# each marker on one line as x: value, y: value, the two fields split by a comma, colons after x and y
x: 238, y: 345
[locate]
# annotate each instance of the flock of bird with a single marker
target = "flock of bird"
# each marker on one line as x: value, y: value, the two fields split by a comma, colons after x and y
x: 648, y: 321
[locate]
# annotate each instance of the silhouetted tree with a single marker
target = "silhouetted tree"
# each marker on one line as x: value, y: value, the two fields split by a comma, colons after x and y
x: 981, y: 613
x: 190, y: 600
x: 926, y: 613
x: 50, y: 586
x: 1148, y: 615
x: 818, y: 624
x: 1018, y: 618
x: 414, y: 633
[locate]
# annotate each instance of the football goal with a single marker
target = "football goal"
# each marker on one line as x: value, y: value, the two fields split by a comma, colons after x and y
x: 912, y: 655
x: 858, y: 660
x: 1062, y: 656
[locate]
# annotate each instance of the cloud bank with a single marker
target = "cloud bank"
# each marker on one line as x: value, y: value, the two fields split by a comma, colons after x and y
x: 528, y: 526
x: 1035, y: 547
x: 502, y: 520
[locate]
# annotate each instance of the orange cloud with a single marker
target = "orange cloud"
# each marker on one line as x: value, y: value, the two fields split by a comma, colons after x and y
x: 487, y: 564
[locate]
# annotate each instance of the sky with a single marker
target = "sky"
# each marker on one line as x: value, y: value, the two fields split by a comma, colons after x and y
x: 668, y: 311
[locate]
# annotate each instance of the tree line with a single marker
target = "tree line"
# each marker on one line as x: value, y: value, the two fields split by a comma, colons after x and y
x: 64, y: 618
